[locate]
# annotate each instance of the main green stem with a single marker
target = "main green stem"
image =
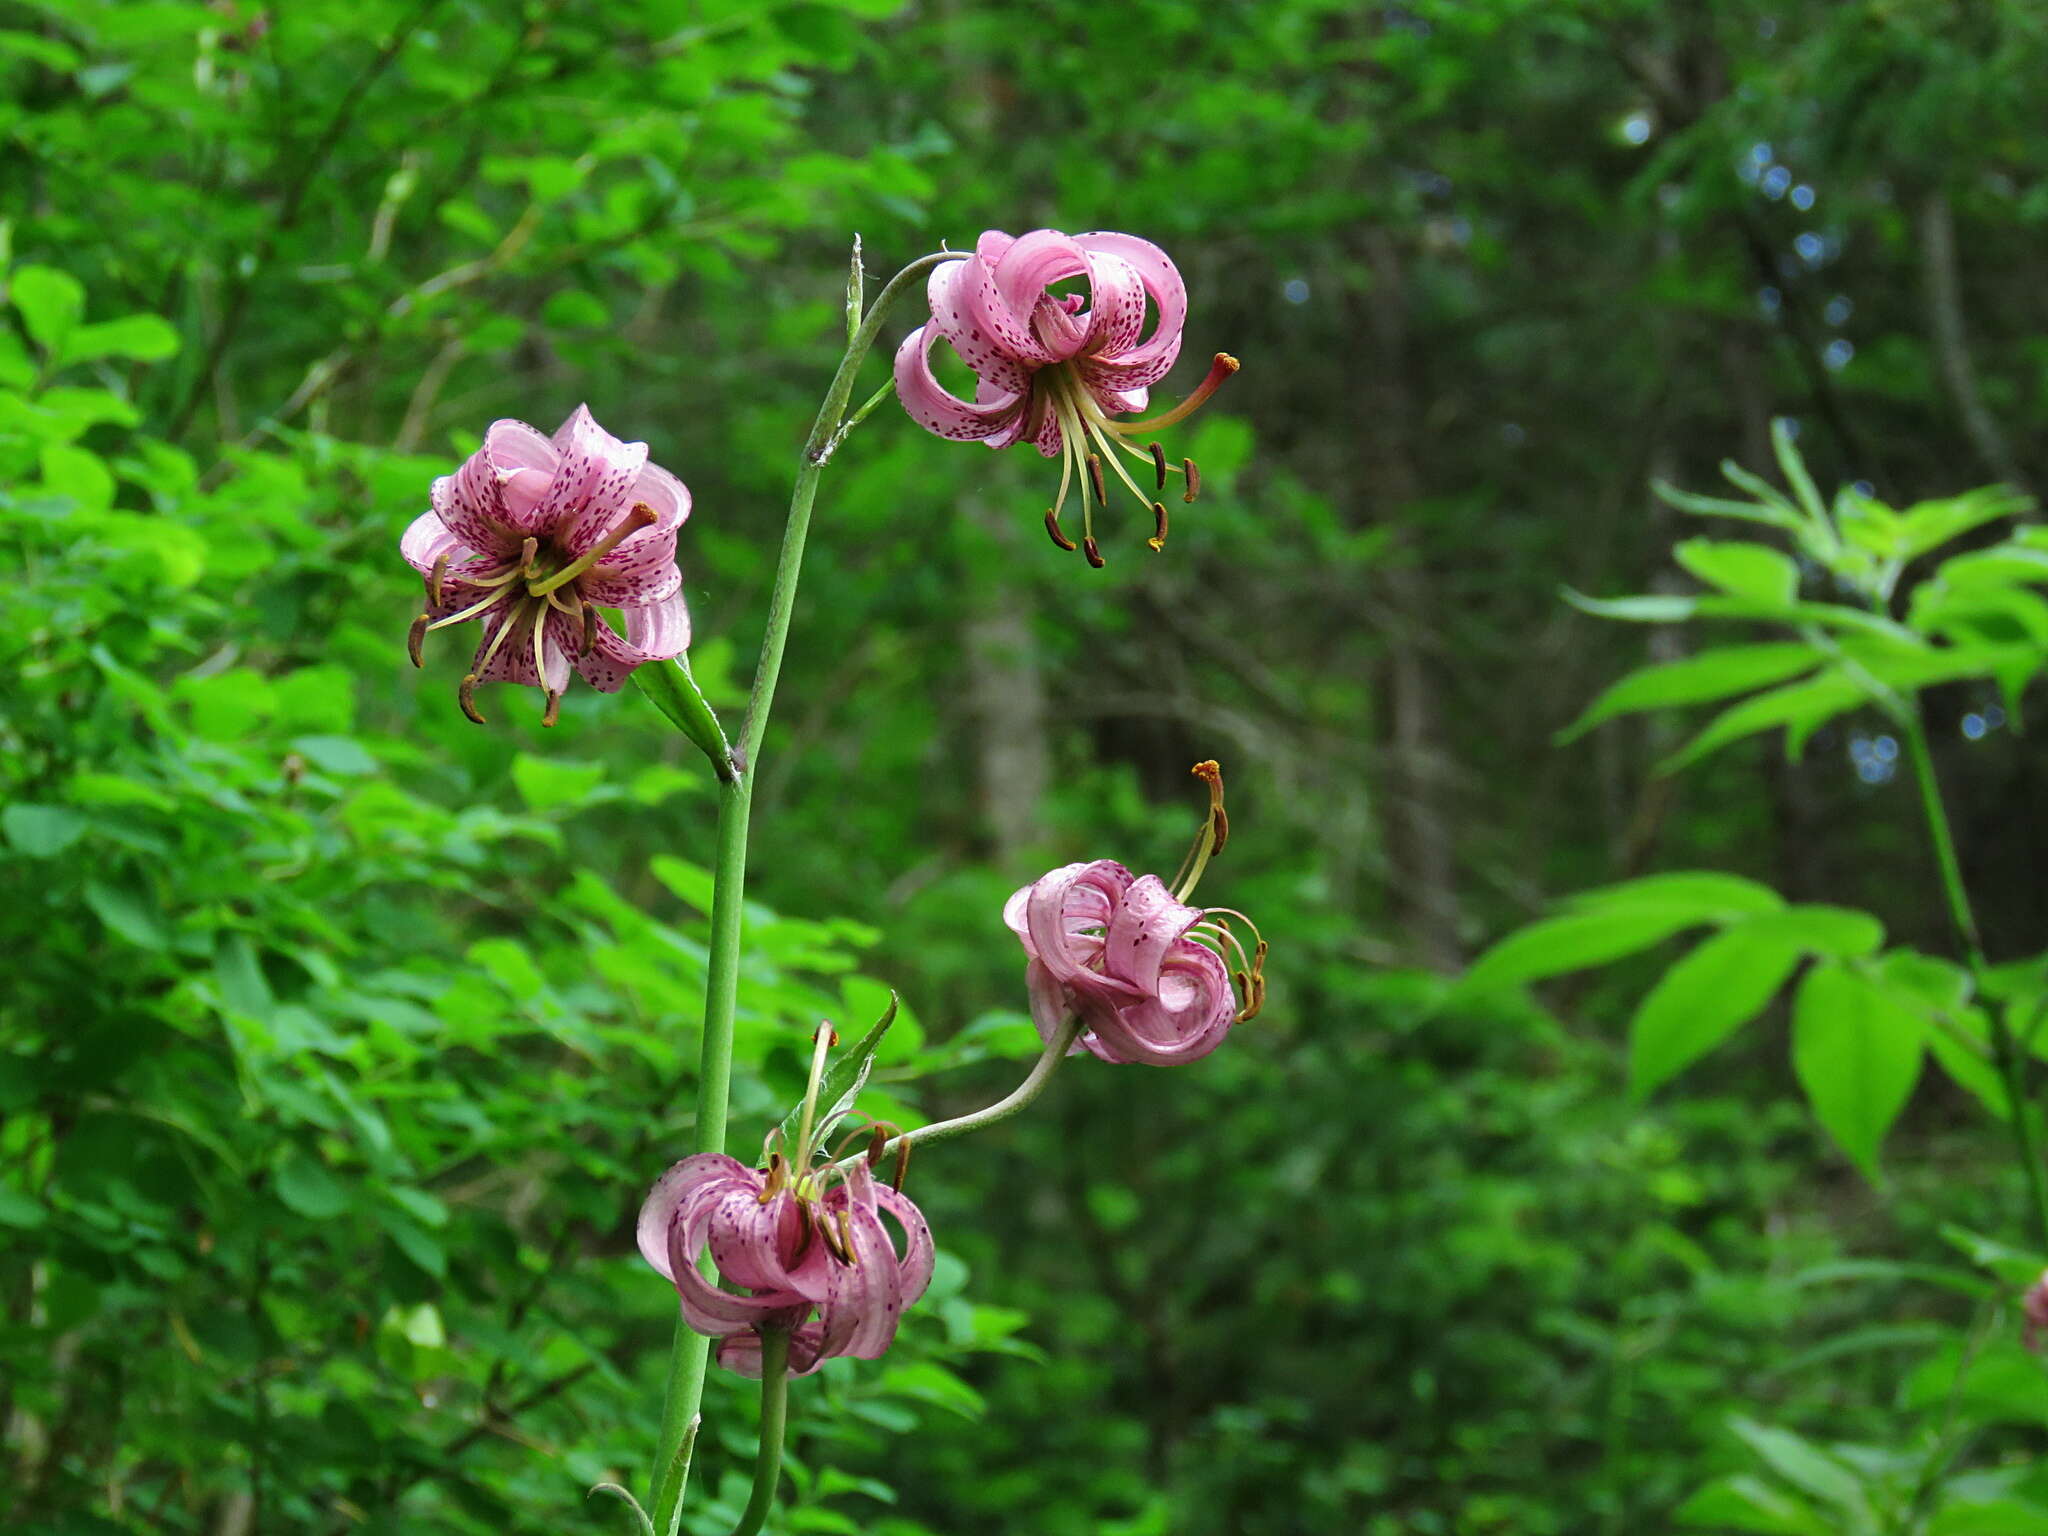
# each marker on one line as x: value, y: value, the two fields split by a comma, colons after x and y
x: 689, y: 1358
x: 2011, y: 1060
x: 774, y: 1423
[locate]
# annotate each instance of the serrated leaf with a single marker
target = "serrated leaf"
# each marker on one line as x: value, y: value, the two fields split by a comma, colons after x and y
x: 844, y: 1078
x: 1741, y: 569
x: 1704, y: 998
x: 1701, y: 679
x: 1857, y: 1054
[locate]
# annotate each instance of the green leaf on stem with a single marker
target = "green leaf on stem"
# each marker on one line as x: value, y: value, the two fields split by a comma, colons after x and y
x: 1701, y: 679
x: 1705, y: 998
x: 1857, y: 1053
x: 1574, y: 941
x: 841, y: 1085
x: 1802, y: 708
x: 1741, y: 569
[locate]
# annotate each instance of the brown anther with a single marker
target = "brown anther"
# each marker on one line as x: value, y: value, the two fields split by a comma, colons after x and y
x: 434, y: 581
x: 777, y: 1171
x: 902, y: 1163
x: 1052, y: 527
x: 825, y: 1027
x: 528, y: 553
x: 554, y: 710
x: 1253, y: 986
x: 1159, y: 464
x: 1158, y: 539
x: 878, y: 1140
x: 838, y: 1241
x: 1194, y: 478
x: 588, y: 614
x: 1093, y: 551
x: 846, y: 1238
x: 416, y: 639
x: 465, y: 695
x: 1095, y: 479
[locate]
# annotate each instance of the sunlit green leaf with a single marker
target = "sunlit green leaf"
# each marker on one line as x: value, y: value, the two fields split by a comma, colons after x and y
x: 1857, y: 1053
x: 1714, y: 674
x: 1705, y: 997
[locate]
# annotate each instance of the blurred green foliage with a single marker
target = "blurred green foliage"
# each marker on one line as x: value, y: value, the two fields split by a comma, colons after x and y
x: 340, y: 1037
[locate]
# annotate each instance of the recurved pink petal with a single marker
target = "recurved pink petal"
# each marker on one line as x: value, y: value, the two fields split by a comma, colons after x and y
x: 1193, y: 1011
x: 654, y: 632
x: 643, y: 569
x: 463, y: 517
x: 954, y: 318
x: 706, y: 1308
x: 509, y: 447
x: 587, y: 496
x: 914, y: 1265
x: 1162, y: 283
x: 864, y: 1299
x: 1145, y: 927
x: 1066, y: 914
x: 1106, y: 380
x: 1020, y: 277
x: 706, y: 1171
x: 990, y: 245
x: 1050, y: 1004
x: 428, y: 539
x: 1116, y: 305
x: 749, y: 1240
x: 741, y: 1352
x: 936, y: 408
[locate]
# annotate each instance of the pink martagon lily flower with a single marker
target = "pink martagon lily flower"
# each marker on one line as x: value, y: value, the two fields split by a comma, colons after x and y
x: 1058, y: 370
x: 532, y: 536
x: 1144, y: 971
x: 795, y: 1244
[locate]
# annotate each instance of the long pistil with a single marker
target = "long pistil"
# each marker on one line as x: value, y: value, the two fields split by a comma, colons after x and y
x: 640, y: 517
x: 1222, y: 368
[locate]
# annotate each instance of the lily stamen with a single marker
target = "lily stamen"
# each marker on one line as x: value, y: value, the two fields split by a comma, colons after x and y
x: 1221, y: 369
x: 1214, y: 834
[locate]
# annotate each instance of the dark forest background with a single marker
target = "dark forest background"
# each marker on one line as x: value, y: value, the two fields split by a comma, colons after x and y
x: 338, y: 1037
